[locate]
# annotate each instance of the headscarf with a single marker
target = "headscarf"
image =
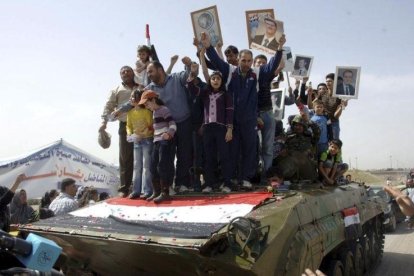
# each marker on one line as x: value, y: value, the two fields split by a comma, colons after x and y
x: 21, y: 213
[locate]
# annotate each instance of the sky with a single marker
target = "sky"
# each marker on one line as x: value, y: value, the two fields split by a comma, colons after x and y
x: 59, y: 60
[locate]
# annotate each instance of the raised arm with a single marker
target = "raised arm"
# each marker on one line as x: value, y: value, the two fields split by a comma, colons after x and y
x: 267, y: 71
x: 404, y: 202
x: 303, y: 96
x: 221, y: 65
x: 209, y: 65
x: 173, y: 61
x: 184, y: 74
x: 290, y: 97
x: 219, y: 51
x: 204, y: 65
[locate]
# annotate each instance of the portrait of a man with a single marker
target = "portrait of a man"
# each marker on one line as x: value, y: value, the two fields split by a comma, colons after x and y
x: 268, y: 38
x: 346, y: 82
x: 301, y: 67
x: 346, y: 86
x: 263, y: 31
x: 278, y: 102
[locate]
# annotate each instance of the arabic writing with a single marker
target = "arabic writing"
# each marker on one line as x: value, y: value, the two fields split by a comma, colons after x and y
x: 59, y: 153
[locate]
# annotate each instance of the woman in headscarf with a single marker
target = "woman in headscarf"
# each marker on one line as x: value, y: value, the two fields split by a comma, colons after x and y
x: 20, y: 211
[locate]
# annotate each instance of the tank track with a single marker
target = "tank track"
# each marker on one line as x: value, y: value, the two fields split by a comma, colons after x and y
x: 358, y: 257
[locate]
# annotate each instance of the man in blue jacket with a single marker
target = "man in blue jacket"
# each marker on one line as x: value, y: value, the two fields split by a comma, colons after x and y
x: 243, y: 82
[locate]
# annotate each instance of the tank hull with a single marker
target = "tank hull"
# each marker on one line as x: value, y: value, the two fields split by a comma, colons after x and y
x: 291, y: 231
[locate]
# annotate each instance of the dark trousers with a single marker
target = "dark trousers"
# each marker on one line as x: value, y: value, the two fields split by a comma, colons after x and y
x: 198, y: 158
x: 244, y: 148
x: 162, y: 163
x: 216, y: 148
x: 126, y: 159
x: 183, y: 148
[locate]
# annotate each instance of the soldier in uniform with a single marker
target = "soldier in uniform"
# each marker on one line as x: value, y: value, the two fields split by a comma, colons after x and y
x: 299, y: 161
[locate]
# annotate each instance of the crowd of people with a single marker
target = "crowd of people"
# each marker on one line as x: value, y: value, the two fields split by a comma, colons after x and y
x: 15, y: 208
x: 175, y: 127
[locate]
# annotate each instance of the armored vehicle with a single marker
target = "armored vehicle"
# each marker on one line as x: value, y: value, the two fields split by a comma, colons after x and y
x: 338, y: 229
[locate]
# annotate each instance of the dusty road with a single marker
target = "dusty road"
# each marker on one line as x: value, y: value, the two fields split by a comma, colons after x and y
x: 398, y: 256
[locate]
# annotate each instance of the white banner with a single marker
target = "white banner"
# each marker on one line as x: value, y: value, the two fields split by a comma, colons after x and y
x: 46, y: 167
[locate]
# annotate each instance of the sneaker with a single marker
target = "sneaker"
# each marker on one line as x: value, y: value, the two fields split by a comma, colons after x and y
x: 122, y: 194
x: 172, y: 191
x: 162, y: 197
x: 183, y: 189
x: 145, y: 196
x: 246, y: 184
x: 154, y: 195
x: 207, y: 189
x: 134, y: 195
x: 225, y: 189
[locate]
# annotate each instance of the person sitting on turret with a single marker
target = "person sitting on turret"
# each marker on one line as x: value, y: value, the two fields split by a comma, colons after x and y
x: 303, y: 135
x: 330, y: 163
x: 299, y: 162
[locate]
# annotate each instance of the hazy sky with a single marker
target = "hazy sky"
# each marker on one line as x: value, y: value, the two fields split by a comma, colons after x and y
x: 59, y: 60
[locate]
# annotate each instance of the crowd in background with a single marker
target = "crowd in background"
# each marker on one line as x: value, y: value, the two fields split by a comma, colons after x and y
x: 15, y: 208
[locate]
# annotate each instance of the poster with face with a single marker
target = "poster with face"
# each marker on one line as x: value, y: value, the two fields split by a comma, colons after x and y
x: 263, y: 30
x: 346, y: 83
x: 278, y: 102
x: 207, y: 21
x: 301, y: 66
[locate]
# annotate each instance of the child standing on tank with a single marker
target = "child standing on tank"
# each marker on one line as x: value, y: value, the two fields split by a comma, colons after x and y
x: 140, y: 131
x: 140, y: 71
x: 162, y: 165
x: 330, y: 163
x: 318, y: 116
x: 217, y: 127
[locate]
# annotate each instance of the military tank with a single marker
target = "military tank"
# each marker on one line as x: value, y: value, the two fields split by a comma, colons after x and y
x: 337, y: 229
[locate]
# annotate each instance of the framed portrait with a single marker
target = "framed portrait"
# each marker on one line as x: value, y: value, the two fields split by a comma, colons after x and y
x: 278, y: 102
x: 207, y: 20
x: 346, y: 83
x: 263, y: 31
x: 301, y: 66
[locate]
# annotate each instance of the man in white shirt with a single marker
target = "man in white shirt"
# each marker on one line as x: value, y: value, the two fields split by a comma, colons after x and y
x: 65, y: 202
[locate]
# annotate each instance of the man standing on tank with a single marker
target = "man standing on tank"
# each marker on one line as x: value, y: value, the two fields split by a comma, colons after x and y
x: 172, y: 91
x: 117, y: 97
x: 243, y: 83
